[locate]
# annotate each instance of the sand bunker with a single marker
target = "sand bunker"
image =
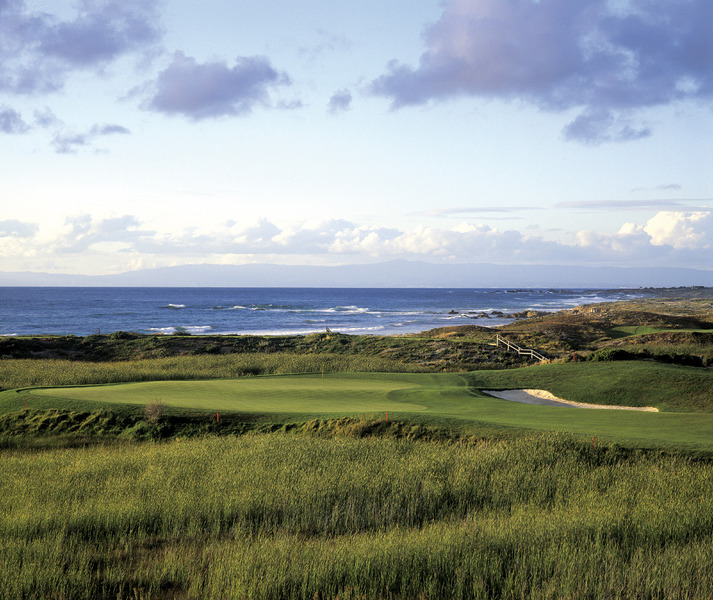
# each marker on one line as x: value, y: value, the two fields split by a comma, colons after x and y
x: 546, y: 399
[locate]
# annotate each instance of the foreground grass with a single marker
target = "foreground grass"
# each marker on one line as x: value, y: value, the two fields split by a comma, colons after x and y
x: 297, y: 517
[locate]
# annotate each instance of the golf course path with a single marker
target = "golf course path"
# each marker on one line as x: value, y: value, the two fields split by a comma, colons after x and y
x: 545, y: 398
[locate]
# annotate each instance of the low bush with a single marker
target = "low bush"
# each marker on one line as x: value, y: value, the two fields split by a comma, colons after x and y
x: 609, y: 354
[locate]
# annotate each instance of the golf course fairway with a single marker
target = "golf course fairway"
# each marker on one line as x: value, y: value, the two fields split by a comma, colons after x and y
x: 437, y: 399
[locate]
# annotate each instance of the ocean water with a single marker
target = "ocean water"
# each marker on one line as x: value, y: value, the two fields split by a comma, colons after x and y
x: 271, y: 311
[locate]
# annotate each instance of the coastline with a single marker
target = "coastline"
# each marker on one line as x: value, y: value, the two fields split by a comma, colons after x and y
x: 270, y: 311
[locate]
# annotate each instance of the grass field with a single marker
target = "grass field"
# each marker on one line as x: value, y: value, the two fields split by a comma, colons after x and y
x: 294, y: 517
x: 684, y: 395
x: 515, y: 503
x: 303, y: 490
x: 17, y: 373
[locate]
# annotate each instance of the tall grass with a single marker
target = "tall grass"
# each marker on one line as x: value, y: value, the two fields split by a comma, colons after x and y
x: 18, y: 373
x: 285, y: 516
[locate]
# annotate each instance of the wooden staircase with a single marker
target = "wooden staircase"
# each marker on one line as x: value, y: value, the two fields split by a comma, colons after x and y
x: 501, y: 341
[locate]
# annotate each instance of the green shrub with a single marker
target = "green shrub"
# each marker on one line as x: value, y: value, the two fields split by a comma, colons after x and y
x: 609, y: 354
x: 122, y: 335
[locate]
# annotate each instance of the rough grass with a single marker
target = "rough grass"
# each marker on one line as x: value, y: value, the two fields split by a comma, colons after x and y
x: 20, y: 373
x: 304, y: 517
x: 591, y: 327
x: 425, y: 351
x: 681, y: 347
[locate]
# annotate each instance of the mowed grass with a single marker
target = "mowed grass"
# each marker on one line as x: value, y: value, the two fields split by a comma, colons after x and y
x: 298, y: 394
x: 625, y: 383
x: 450, y: 400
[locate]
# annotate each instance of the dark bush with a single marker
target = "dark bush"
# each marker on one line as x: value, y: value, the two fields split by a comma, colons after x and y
x: 122, y: 335
x: 609, y: 354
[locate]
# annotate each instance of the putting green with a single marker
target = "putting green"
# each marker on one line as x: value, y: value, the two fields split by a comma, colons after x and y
x: 428, y: 398
x: 304, y: 394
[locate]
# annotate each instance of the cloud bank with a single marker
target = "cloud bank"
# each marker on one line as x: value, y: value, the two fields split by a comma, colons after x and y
x: 607, y: 59
x: 669, y: 238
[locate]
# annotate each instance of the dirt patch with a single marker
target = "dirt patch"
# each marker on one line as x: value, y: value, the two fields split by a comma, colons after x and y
x: 545, y: 398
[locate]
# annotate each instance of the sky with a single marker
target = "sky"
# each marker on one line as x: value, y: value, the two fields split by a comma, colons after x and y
x: 138, y: 134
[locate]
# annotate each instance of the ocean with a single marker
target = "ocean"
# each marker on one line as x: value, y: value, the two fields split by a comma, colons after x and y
x: 272, y: 311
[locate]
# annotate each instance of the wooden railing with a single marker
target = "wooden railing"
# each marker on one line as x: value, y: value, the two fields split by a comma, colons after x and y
x: 501, y: 341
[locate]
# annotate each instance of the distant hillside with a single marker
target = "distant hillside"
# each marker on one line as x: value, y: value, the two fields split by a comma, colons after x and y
x: 400, y: 273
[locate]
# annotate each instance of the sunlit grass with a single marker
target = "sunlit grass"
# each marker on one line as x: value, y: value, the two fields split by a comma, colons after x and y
x: 628, y: 383
x: 297, y: 517
x: 18, y: 373
x: 684, y: 395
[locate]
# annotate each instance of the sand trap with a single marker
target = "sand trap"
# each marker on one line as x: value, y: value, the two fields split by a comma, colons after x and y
x: 546, y: 399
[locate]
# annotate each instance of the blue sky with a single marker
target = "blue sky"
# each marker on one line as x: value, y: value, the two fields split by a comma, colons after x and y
x: 138, y: 133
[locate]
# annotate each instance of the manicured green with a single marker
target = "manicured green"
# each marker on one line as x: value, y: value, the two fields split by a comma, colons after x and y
x: 445, y: 399
x: 307, y: 394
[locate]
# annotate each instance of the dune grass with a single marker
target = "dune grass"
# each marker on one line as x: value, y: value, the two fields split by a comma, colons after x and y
x: 633, y: 330
x: 282, y: 517
x: 18, y: 373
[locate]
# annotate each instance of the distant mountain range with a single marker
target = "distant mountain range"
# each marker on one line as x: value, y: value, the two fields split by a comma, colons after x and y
x: 399, y: 273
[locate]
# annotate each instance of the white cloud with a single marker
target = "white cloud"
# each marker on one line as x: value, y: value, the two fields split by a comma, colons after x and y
x: 68, y: 142
x: 17, y: 229
x: 681, y: 230
x: 667, y: 239
x: 82, y: 233
x: 11, y: 121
